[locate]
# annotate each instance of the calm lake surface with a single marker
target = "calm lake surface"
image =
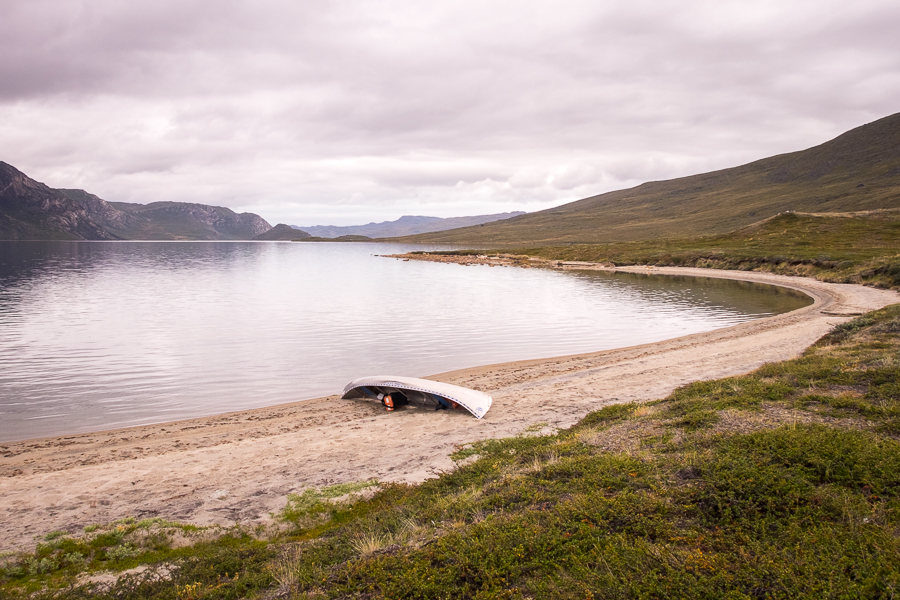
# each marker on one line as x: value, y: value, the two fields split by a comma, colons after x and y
x: 97, y: 335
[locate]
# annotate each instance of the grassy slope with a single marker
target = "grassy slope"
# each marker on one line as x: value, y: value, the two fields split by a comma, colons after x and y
x: 837, y: 247
x: 859, y: 170
x: 782, y: 483
x: 18, y: 226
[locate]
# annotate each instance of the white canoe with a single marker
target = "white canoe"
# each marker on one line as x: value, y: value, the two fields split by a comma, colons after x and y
x: 421, y: 392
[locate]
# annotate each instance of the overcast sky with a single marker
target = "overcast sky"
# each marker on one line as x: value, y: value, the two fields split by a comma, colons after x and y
x: 337, y: 112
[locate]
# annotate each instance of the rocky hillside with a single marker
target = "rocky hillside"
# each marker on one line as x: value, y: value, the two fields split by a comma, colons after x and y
x: 30, y: 210
x: 282, y: 232
x: 183, y: 220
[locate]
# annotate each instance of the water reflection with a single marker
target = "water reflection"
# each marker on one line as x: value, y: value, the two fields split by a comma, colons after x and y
x: 752, y: 298
x: 100, y: 335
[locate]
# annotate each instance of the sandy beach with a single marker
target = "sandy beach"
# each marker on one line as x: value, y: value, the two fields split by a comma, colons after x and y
x: 240, y: 467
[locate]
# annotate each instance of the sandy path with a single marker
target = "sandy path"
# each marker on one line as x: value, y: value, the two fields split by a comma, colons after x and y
x: 239, y: 467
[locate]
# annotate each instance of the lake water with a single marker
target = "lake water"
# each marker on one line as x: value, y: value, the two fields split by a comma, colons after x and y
x: 97, y: 335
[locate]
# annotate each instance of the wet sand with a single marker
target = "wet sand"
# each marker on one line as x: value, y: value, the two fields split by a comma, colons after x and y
x: 239, y: 467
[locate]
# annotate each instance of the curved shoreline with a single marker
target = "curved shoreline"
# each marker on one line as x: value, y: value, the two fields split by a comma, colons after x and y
x: 239, y: 467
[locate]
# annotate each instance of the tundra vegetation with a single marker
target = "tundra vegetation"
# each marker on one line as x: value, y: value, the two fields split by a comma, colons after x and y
x: 836, y: 247
x: 782, y: 483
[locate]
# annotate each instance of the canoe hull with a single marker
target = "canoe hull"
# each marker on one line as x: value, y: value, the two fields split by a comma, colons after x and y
x: 422, y: 392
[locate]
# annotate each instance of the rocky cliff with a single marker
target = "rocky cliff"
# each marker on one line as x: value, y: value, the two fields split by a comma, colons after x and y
x: 30, y: 210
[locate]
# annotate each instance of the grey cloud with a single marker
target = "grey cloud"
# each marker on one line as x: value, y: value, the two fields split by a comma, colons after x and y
x: 317, y: 103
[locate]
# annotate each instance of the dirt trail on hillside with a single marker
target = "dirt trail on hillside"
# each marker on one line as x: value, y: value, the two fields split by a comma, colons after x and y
x: 239, y: 467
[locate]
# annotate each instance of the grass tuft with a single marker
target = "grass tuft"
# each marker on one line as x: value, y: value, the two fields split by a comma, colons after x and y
x: 371, y: 542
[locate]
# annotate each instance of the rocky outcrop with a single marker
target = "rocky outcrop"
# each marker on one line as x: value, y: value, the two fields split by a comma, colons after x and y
x: 110, y: 217
x: 183, y: 220
x: 31, y: 210
x: 282, y: 232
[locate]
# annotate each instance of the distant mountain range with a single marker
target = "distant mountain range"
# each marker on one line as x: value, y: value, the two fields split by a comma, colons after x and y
x: 30, y: 210
x: 858, y: 170
x: 406, y: 225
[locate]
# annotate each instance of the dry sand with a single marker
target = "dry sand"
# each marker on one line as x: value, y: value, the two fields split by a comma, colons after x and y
x: 239, y: 467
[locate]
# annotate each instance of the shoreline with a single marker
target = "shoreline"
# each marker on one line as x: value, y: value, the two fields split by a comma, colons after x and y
x: 239, y: 467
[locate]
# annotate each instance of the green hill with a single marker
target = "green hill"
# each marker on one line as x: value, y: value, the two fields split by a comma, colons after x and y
x: 809, y: 238
x: 859, y: 170
x: 858, y: 247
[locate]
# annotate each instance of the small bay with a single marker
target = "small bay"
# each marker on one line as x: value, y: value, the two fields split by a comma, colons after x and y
x: 99, y: 335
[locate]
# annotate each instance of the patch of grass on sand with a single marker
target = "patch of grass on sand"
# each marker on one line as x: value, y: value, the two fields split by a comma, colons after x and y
x: 152, y: 553
x: 314, y: 501
x: 783, y: 483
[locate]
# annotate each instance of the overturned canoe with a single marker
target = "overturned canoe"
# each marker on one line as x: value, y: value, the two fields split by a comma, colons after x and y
x: 420, y: 392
